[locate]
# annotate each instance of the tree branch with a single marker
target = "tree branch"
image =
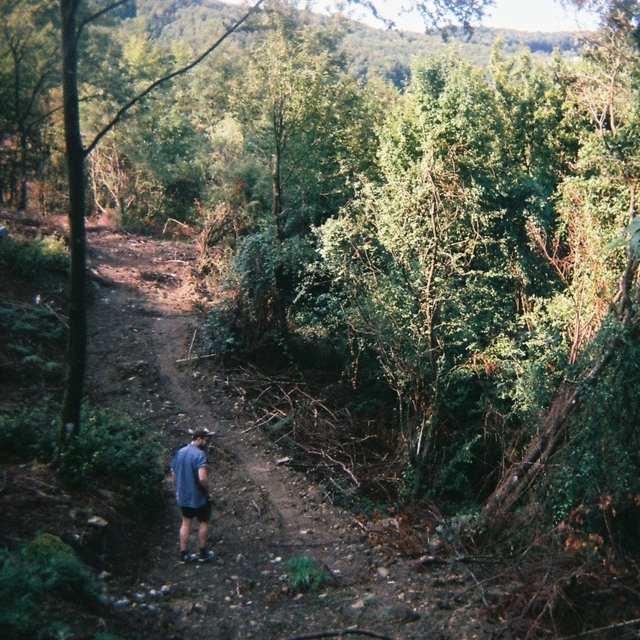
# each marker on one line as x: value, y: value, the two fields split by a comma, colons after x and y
x: 342, y: 632
x: 170, y: 76
x: 97, y: 15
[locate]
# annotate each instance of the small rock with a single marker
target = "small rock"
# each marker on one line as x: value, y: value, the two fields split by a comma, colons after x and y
x: 383, y: 572
x: 104, y: 575
x: 97, y: 521
x: 119, y: 604
x: 359, y: 604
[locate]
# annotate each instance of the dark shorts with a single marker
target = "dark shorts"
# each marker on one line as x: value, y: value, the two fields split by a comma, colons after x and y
x: 203, y: 513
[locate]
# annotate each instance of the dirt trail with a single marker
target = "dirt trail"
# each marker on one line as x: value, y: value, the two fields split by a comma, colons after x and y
x: 142, y: 320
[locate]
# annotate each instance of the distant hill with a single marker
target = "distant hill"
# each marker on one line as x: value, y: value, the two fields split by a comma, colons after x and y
x: 390, y: 53
x: 371, y: 52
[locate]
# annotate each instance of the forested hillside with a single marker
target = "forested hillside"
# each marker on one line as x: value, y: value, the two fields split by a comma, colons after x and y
x: 429, y: 249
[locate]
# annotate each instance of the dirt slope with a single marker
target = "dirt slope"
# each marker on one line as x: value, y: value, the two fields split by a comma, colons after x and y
x: 142, y: 323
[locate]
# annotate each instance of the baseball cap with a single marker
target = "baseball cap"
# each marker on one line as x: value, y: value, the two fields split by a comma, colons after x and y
x: 201, y: 432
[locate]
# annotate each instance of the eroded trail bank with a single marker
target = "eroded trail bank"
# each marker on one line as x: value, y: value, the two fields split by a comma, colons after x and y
x: 143, y: 318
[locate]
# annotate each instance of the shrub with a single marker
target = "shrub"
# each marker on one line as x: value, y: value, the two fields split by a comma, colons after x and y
x: 32, y: 580
x: 113, y: 447
x: 304, y: 573
x: 31, y: 432
x: 33, y: 341
x: 29, y: 259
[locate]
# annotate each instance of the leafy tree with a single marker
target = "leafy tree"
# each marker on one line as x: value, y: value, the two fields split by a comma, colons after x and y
x: 73, y: 23
x: 29, y: 62
x: 598, y: 302
x: 413, y: 253
x: 303, y: 120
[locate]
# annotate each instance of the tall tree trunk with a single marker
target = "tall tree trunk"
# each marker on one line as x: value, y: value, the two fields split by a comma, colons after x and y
x: 77, y: 344
x: 76, y: 154
x: 276, y: 192
x: 22, y: 186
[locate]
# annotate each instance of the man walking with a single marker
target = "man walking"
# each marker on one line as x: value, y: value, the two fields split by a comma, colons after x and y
x: 189, y: 472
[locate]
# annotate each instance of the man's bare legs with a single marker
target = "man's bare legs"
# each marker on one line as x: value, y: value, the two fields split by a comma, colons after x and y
x: 185, y: 529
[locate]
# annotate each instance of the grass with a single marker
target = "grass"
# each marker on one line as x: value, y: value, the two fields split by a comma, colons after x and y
x: 305, y: 573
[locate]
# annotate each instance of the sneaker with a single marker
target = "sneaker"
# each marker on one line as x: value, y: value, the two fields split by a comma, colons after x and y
x: 205, y: 556
x: 188, y: 558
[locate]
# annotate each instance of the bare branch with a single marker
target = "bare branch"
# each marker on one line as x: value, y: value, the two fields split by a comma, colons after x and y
x: 342, y: 632
x: 170, y: 76
x: 99, y: 14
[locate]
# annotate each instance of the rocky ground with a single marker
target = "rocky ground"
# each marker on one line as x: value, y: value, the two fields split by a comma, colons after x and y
x: 145, y: 321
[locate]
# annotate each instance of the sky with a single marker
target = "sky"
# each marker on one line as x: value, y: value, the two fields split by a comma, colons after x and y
x: 537, y: 15
x: 524, y: 15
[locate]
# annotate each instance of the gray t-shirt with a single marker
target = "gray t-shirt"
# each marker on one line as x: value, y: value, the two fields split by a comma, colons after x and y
x: 185, y: 465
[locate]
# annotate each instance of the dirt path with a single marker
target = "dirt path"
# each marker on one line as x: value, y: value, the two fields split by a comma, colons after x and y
x: 142, y: 323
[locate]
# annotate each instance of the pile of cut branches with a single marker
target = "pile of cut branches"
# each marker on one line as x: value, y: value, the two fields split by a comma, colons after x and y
x: 354, y: 459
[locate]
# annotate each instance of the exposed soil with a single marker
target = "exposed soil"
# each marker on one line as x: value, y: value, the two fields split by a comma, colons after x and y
x: 144, y: 323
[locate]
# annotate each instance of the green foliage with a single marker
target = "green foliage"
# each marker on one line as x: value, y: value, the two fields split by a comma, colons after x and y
x: 455, y: 529
x: 30, y: 432
x: 603, y: 460
x: 305, y: 573
x: 114, y: 448
x: 29, y: 59
x: 34, y: 579
x: 33, y: 338
x: 30, y: 259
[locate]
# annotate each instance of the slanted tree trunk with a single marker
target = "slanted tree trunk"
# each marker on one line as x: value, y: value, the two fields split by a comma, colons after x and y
x: 522, y: 474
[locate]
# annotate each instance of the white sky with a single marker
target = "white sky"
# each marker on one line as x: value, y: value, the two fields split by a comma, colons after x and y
x: 524, y: 15
x: 537, y: 15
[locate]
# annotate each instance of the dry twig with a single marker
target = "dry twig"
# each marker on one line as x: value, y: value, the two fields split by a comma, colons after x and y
x: 342, y: 632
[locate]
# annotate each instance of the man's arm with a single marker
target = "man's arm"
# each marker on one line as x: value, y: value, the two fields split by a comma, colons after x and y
x: 204, y: 482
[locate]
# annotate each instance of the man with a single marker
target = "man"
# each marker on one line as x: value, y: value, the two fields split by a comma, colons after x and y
x: 189, y: 473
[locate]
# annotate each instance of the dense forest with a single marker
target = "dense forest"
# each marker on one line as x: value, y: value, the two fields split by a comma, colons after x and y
x: 437, y: 239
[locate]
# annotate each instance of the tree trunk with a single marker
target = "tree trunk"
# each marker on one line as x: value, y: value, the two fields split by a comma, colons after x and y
x: 77, y: 342
x: 522, y: 474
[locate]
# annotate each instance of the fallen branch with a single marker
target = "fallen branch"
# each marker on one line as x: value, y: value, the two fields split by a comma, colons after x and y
x: 343, y: 632
x: 425, y: 560
x: 209, y: 355
x: 593, y: 632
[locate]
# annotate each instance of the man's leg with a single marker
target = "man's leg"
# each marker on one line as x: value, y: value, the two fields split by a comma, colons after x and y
x: 203, y: 532
x: 185, y: 529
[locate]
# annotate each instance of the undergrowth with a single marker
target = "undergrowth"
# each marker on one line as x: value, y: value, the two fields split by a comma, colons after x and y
x: 31, y: 258
x: 112, y: 448
x: 304, y: 573
x: 33, y: 342
x: 35, y: 581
